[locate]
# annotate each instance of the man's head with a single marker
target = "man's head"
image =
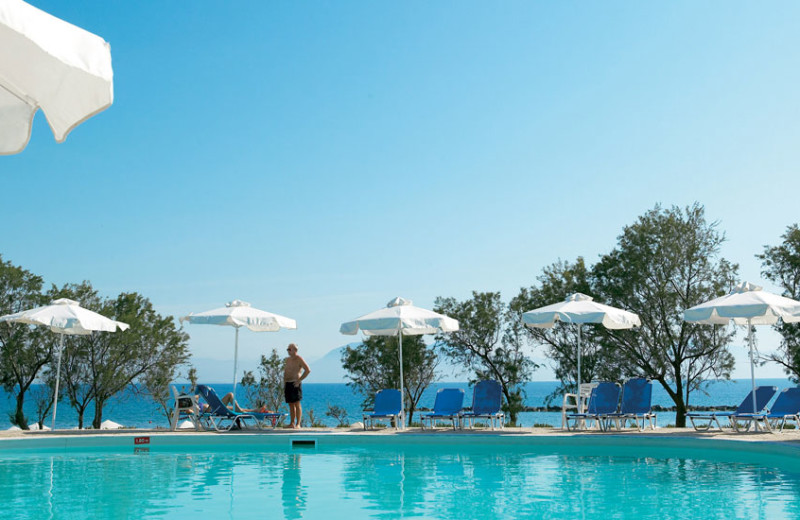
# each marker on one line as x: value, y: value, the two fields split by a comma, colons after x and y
x: 292, y: 349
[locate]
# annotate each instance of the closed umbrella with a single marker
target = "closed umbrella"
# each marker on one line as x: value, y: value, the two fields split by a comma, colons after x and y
x: 578, y: 309
x: 50, y: 64
x: 747, y: 304
x: 400, y: 318
x: 240, y: 314
x: 65, y: 316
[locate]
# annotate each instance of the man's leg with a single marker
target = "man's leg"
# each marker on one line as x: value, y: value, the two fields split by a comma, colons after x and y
x: 291, y: 415
x: 299, y: 412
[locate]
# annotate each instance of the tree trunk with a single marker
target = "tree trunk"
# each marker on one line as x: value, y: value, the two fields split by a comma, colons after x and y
x: 19, y: 414
x: 512, y: 413
x: 411, y: 410
x: 98, y: 414
x: 680, y: 414
x: 80, y: 418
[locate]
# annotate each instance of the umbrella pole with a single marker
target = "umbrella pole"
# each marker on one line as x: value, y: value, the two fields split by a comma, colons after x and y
x: 580, y: 398
x: 58, y: 377
x: 752, y: 366
x: 235, y: 360
x: 402, y: 393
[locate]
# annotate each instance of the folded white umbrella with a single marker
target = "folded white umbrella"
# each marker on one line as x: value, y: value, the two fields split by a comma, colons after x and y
x: 64, y: 316
x: 578, y: 309
x: 747, y: 304
x: 400, y: 318
x: 50, y: 64
x: 240, y: 314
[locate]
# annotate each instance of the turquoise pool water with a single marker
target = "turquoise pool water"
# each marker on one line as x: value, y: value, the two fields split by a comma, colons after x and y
x: 464, y: 480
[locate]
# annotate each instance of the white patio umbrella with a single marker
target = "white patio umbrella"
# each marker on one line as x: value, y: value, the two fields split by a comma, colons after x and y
x: 400, y: 318
x: 65, y: 316
x: 50, y: 64
x: 578, y: 309
x: 747, y: 304
x: 240, y: 314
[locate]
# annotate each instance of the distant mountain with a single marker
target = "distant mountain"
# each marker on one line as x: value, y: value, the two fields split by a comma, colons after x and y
x: 328, y: 368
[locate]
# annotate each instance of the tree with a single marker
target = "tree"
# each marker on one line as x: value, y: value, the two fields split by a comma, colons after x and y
x: 663, y: 264
x: 374, y: 365
x: 103, y: 364
x: 267, y: 390
x: 556, y: 282
x: 24, y: 350
x: 152, y: 343
x: 490, y: 343
x: 781, y: 265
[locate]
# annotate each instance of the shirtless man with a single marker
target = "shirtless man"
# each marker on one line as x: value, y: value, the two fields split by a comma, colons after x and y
x: 295, y: 369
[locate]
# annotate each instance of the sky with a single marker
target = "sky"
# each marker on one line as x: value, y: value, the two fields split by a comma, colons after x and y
x: 317, y: 159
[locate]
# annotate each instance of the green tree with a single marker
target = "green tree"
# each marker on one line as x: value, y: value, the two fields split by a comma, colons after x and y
x: 103, y: 364
x: 24, y: 350
x: 490, y: 343
x: 556, y: 282
x: 663, y: 264
x: 374, y: 365
x: 267, y: 388
x: 781, y: 265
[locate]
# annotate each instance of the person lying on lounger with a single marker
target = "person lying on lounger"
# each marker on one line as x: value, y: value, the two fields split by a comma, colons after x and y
x: 227, y: 400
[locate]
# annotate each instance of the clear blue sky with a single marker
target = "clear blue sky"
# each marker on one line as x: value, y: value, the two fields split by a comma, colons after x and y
x: 319, y: 158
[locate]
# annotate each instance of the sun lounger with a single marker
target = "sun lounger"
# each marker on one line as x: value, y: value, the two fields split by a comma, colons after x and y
x: 487, y: 401
x: 446, y: 407
x: 764, y: 395
x: 603, y: 400
x: 217, y: 414
x: 387, y: 407
x: 636, y: 406
x: 785, y: 408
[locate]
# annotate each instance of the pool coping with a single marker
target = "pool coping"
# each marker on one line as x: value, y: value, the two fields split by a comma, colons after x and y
x: 142, y: 440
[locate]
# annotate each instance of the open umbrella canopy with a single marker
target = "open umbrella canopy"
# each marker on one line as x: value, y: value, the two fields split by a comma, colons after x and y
x: 577, y: 309
x: 400, y: 318
x: 400, y: 315
x: 580, y: 308
x: 746, y: 302
x: 65, y: 316
x: 50, y: 64
x: 240, y: 314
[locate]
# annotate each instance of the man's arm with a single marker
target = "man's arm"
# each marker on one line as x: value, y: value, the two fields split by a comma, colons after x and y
x: 305, y: 368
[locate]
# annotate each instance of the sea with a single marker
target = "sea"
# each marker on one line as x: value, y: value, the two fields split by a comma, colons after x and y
x: 132, y: 409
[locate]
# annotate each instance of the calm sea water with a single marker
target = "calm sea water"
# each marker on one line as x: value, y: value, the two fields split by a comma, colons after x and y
x: 389, y: 482
x: 130, y: 409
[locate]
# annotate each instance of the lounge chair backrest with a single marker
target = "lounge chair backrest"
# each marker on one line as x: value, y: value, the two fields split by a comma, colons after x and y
x: 787, y: 403
x: 764, y: 395
x: 216, y: 407
x: 637, y: 396
x: 487, y: 397
x: 449, y: 401
x: 604, y: 398
x: 387, y: 402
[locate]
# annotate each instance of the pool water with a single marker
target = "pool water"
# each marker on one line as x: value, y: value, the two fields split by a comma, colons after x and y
x: 470, y: 481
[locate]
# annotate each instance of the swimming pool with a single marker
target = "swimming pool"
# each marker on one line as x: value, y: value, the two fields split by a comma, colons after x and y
x: 409, y: 476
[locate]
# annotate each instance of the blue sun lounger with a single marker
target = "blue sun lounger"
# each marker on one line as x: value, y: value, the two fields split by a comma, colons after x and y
x: 217, y: 414
x: 446, y: 407
x: 603, y: 400
x: 387, y: 407
x: 764, y: 395
x: 487, y: 401
x: 637, y: 396
x: 785, y: 408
